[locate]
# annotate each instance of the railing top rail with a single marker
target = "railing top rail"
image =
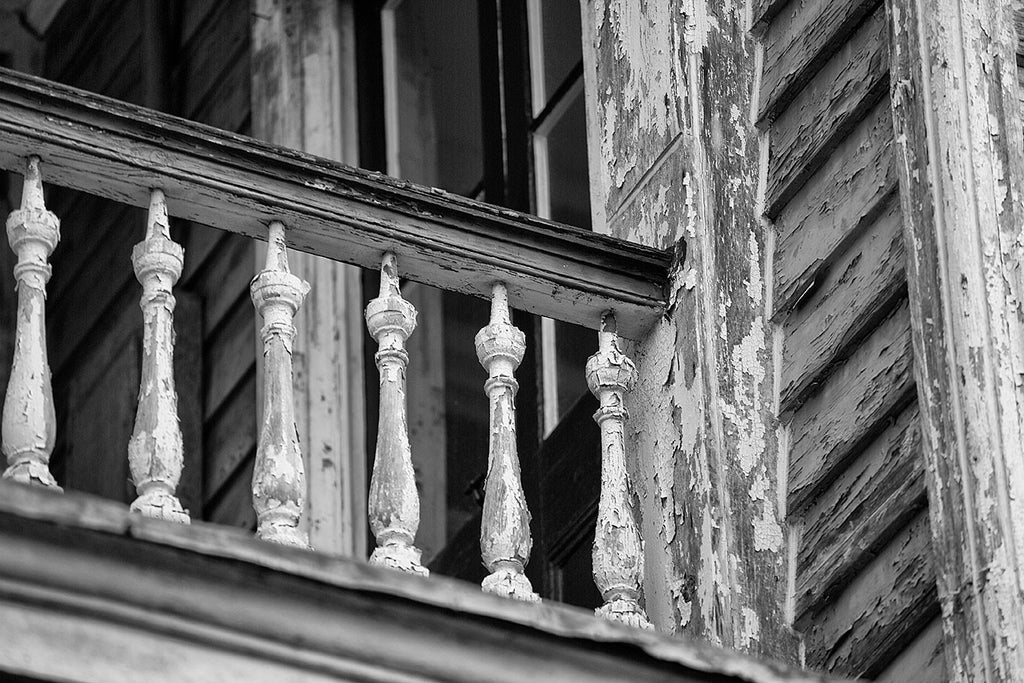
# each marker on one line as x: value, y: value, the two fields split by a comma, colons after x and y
x: 121, y: 151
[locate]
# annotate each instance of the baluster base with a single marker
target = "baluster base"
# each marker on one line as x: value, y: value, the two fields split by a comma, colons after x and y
x: 625, y: 612
x: 509, y: 583
x: 161, y: 505
x: 32, y: 473
x: 404, y: 558
x: 283, y: 534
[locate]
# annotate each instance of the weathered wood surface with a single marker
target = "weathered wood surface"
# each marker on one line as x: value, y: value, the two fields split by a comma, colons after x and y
x: 29, y: 422
x: 315, y: 614
x: 855, y: 517
x: 874, y: 383
x: 303, y: 97
x: 799, y: 41
x: 846, y: 194
x: 960, y: 147
x: 234, y: 183
x: 155, y: 451
x: 826, y: 109
x: 393, y: 501
x: 231, y: 434
x: 279, y: 478
x: 229, y: 358
x: 618, y: 545
x: 921, y: 662
x: 857, y: 291
x: 880, y: 611
x: 505, y: 539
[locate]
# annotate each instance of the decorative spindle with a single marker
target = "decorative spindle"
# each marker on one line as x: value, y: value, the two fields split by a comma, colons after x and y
x: 28, y: 418
x: 394, y: 504
x: 618, y: 547
x: 505, y: 528
x: 278, y: 481
x: 155, y: 450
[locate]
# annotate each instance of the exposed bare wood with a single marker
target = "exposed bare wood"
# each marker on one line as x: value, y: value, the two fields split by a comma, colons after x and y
x: 145, y: 579
x: 921, y: 662
x: 799, y: 42
x: 233, y: 183
x: 826, y: 110
x: 505, y: 539
x: 852, y: 296
x: 278, y: 484
x: 393, y: 501
x: 29, y: 425
x: 303, y: 96
x: 155, y: 453
x: 845, y: 195
x: 880, y: 611
x: 872, y: 385
x: 960, y: 151
x: 618, y: 546
x: 850, y: 523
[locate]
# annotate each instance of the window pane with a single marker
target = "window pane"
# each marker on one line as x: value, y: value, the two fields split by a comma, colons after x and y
x: 568, y: 186
x: 437, y: 94
x: 561, y: 39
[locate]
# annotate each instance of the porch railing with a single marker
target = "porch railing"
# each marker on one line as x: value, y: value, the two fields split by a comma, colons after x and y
x: 178, y: 168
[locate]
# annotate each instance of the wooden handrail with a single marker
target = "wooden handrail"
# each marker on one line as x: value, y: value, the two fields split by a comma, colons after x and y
x: 121, y: 151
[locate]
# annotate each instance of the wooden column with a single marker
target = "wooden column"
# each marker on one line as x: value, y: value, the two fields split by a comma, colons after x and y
x: 155, y: 453
x: 394, y: 504
x: 618, y: 547
x: 304, y: 96
x: 505, y: 540
x: 278, y: 481
x: 961, y: 157
x: 29, y: 425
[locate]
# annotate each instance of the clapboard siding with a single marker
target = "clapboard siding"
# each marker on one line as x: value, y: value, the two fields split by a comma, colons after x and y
x: 864, y: 584
x: 851, y: 407
x: 881, y: 611
x: 921, y: 662
x: 825, y: 111
x: 851, y: 298
x: 801, y: 37
x: 97, y: 46
x: 860, y: 511
x: 847, y: 193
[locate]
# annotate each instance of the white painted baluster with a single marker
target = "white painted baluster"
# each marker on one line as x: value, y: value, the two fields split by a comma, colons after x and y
x: 618, y: 547
x: 394, y: 504
x: 278, y: 481
x: 155, y: 455
x: 28, y: 417
x: 505, y: 528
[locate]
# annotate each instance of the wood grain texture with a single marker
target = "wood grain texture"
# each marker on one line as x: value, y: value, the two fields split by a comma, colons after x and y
x: 852, y: 296
x: 874, y: 383
x: 799, y: 41
x: 960, y: 151
x: 853, y: 519
x: 921, y: 662
x: 237, y: 184
x: 826, y: 110
x: 846, y: 194
x: 314, y: 612
x: 881, y: 611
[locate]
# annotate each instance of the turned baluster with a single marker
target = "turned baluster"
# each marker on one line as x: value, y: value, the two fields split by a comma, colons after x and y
x: 155, y: 450
x: 28, y: 417
x: 394, y: 505
x: 618, y: 547
x: 278, y: 481
x: 505, y: 528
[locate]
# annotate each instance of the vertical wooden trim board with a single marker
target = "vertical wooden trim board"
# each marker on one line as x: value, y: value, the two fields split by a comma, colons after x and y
x: 303, y: 96
x: 960, y: 154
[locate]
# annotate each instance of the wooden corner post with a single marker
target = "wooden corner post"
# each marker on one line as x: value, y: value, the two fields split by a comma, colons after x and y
x: 961, y: 156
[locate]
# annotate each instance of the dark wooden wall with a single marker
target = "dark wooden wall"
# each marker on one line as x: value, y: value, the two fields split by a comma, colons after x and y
x: 94, y: 319
x: 865, y: 594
